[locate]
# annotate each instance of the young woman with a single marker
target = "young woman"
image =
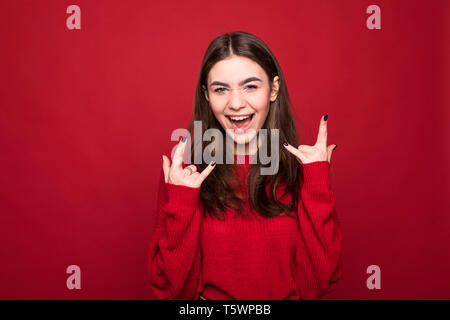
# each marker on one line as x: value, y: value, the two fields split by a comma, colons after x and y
x: 226, y: 231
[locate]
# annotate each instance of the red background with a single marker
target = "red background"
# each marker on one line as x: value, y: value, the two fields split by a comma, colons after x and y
x: 86, y: 114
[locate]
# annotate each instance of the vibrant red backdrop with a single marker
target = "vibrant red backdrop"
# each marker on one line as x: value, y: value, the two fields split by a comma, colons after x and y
x: 86, y: 114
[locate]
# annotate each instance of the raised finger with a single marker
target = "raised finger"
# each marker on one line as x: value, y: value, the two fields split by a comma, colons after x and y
x: 330, y: 150
x: 179, y: 153
x: 322, y: 136
x: 292, y: 150
x: 205, y: 173
x: 166, y: 167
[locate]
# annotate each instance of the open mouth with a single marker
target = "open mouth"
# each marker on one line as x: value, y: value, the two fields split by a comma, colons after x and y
x: 241, y: 123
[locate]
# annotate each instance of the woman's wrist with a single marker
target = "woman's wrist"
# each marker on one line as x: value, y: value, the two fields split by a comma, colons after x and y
x: 316, y: 172
x: 181, y: 195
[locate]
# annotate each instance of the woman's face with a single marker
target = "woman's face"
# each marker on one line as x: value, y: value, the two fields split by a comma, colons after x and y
x: 239, y: 94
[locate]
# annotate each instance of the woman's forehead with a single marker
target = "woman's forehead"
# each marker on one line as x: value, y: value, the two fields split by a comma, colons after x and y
x: 235, y: 70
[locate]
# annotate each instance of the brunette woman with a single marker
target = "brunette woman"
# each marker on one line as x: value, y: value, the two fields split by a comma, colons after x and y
x: 227, y: 231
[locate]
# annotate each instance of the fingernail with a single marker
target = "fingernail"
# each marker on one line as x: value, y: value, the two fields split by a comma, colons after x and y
x: 183, y: 139
x: 335, y: 147
x: 326, y: 117
x: 285, y: 144
x: 213, y: 163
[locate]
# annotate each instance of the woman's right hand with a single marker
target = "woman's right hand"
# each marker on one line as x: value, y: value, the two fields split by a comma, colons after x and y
x: 189, y: 177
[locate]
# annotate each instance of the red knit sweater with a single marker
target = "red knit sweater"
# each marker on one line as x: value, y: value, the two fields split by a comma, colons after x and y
x: 246, y: 258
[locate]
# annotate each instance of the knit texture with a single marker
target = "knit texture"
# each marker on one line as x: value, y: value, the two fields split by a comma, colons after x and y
x: 247, y: 257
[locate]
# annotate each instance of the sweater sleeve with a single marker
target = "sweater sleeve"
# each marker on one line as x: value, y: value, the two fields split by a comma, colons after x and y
x: 318, y: 254
x: 174, y: 259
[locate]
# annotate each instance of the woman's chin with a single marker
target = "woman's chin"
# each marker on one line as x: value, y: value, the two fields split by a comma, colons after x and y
x: 243, y: 139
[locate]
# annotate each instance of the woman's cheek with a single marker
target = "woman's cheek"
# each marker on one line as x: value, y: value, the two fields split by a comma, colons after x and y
x: 219, y: 115
x: 262, y: 115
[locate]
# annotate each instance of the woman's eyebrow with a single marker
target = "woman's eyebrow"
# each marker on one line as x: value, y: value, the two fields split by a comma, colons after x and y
x: 219, y: 83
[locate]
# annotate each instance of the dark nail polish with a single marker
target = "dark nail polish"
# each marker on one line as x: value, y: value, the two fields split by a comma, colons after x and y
x: 335, y: 147
x: 325, y: 118
x: 285, y: 144
x: 213, y: 163
x: 183, y: 139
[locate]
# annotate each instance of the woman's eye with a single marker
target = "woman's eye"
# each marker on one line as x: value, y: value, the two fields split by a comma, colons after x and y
x: 251, y: 86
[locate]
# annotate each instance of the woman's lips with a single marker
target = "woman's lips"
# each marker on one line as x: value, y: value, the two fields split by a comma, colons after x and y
x: 241, y: 129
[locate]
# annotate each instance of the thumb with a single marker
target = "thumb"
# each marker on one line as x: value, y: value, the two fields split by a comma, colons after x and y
x: 330, y: 149
x: 166, y: 167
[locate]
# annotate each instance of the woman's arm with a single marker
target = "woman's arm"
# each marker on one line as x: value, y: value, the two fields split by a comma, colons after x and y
x: 318, y: 260
x: 174, y: 259
x: 174, y: 262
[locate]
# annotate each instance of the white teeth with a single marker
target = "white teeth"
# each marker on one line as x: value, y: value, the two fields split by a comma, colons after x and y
x: 239, y: 118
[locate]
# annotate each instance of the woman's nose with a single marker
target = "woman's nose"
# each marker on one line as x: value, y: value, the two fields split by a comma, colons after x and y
x: 237, y: 99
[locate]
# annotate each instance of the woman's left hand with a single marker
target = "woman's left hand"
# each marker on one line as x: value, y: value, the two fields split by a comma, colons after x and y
x: 318, y: 152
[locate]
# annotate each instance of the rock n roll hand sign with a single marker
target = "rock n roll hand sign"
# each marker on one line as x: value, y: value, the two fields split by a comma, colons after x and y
x: 318, y: 152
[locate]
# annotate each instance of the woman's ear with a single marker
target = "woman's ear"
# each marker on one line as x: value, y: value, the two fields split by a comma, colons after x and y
x: 275, y: 88
x: 205, y: 91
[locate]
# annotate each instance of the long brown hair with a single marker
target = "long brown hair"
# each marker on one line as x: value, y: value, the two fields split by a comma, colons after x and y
x: 219, y: 191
